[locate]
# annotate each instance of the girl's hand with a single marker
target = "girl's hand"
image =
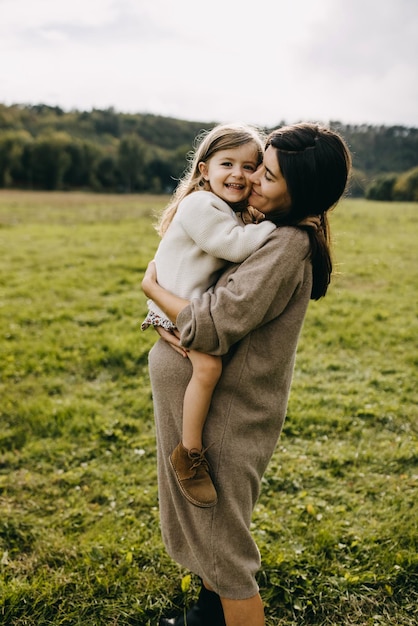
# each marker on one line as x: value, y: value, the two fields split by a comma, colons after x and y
x: 250, y: 215
x: 173, y: 338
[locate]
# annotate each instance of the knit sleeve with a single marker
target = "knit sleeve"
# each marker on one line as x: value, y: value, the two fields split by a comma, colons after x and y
x: 251, y: 294
x: 216, y: 230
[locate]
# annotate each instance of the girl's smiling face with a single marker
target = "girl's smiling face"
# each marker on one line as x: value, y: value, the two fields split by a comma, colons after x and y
x: 270, y: 194
x: 229, y: 172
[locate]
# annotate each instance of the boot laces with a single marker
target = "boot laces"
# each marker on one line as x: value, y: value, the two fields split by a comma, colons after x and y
x: 198, y: 458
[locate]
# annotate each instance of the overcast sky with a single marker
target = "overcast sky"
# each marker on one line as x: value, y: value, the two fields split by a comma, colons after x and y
x: 259, y: 61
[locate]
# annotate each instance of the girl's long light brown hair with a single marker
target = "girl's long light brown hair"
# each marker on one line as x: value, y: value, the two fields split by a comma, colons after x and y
x: 208, y: 143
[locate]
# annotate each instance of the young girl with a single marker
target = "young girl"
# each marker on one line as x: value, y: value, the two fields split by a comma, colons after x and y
x: 201, y: 231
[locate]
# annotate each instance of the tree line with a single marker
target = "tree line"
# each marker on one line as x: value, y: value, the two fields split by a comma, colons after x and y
x: 44, y: 147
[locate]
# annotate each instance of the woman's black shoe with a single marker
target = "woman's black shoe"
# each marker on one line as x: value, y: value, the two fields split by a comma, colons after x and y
x: 206, y: 612
x: 193, y: 617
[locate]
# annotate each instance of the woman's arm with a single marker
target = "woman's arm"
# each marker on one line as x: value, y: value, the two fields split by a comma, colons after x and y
x: 250, y: 294
x: 165, y: 300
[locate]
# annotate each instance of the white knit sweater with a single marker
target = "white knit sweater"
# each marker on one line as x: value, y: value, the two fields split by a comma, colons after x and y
x: 204, y: 235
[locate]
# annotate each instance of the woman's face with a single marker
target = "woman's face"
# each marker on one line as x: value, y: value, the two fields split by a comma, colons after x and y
x: 269, y: 193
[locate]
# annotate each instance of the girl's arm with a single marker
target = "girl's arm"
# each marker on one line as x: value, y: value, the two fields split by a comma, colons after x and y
x: 214, y: 228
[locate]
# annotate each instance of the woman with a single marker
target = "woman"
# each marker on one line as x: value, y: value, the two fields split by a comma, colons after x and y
x: 252, y: 318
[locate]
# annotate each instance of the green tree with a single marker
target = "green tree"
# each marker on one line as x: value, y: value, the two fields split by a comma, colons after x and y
x: 50, y: 160
x: 84, y: 156
x: 150, y: 150
x: 132, y: 156
x: 107, y: 173
x: 12, y: 147
x: 106, y: 121
x: 381, y: 188
x: 406, y: 186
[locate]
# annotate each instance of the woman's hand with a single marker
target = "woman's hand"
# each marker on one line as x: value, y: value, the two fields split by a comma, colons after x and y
x: 150, y: 279
x: 172, y: 338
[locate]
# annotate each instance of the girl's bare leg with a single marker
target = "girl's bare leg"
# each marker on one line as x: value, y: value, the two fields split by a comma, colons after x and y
x: 188, y: 459
x: 197, y: 398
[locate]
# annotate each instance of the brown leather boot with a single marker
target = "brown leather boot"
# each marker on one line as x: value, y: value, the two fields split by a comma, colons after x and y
x: 192, y: 472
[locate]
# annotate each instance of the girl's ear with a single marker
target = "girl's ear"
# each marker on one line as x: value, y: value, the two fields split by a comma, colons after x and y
x: 203, y: 169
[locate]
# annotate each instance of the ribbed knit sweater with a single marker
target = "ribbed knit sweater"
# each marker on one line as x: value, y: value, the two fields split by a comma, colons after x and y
x: 203, y: 236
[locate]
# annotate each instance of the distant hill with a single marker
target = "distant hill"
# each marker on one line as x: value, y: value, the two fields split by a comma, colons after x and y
x: 44, y: 147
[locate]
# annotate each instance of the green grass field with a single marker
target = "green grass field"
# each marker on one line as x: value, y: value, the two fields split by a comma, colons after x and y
x: 79, y: 534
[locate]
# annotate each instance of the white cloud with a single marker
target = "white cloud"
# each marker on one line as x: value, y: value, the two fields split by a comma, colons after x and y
x: 21, y: 14
x: 262, y: 62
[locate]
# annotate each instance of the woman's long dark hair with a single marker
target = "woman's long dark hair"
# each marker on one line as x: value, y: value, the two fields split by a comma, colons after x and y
x: 315, y: 163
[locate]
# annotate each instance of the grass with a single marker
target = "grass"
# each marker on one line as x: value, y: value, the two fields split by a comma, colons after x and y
x: 79, y: 533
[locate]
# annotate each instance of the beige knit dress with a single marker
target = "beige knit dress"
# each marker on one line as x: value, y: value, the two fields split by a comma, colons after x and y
x: 253, y: 318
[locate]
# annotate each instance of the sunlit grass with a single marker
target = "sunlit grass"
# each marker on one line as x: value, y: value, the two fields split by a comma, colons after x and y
x: 79, y: 536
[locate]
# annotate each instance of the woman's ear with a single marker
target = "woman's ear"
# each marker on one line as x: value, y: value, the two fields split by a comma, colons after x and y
x: 203, y: 169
